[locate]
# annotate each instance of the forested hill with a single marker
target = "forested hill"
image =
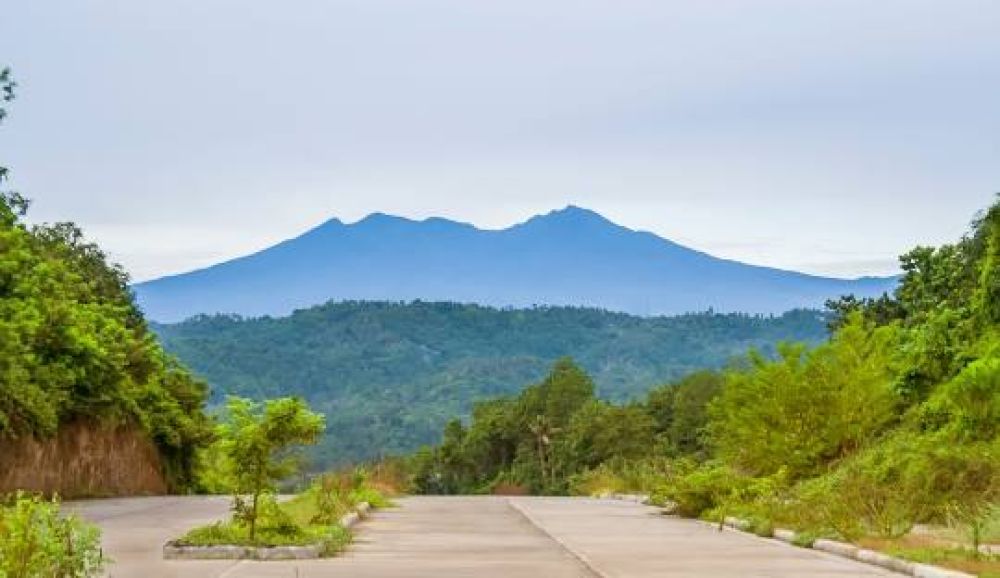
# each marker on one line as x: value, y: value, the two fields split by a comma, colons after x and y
x: 570, y: 257
x: 389, y: 375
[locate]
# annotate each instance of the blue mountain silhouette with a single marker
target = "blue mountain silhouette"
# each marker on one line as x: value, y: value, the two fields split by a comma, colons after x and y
x: 571, y: 256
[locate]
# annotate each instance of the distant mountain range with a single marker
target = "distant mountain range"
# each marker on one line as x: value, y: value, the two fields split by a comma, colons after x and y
x: 571, y: 257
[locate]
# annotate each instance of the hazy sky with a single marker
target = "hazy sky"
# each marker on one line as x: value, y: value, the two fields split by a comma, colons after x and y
x: 826, y: 136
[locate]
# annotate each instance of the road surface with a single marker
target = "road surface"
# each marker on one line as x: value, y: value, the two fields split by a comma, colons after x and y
x: 445, y: 537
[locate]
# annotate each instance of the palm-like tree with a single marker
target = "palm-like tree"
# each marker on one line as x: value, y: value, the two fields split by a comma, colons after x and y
x: 543, y: 431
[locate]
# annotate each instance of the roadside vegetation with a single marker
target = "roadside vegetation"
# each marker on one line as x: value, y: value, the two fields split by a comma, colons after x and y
x: 892, y: 424
x: 74, y: 346
x: 36, y: 539
x: 258, y: 445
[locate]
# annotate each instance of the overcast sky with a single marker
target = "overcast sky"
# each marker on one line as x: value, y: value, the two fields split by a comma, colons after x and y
x: 825, y: 136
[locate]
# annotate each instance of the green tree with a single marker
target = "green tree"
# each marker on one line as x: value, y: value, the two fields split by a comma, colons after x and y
x: 807, y: 407
x: 543, y: 432
x: 987, y: 297
x: 7, y: 86
x: 260, y: 441
x: 680, y: 411
x: 601, y: 432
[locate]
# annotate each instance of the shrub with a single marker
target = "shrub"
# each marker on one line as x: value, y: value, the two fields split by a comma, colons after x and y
x: 622, y: 476
x: 329, y: 496
x: 708, y: 487
x: 808, y: 407
x: 35, y: 540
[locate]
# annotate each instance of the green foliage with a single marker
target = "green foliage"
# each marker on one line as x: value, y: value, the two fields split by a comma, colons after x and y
x: 389, y: 376
x: 74, y: 346
x: 214, y: 470
x: 259, y: 441
x: 311, y: 517
x: 621, y: 476
x: 696, y: 490
x: 807, y: 408
x: 967, y: 408
x: 600, y: 432
x: 36, y: 540
x: 527, y: 440
x: 681, y: 412
x: 271, y: 532
x: 555, y: 437
x: 7, y: 86
x: 987, y: 294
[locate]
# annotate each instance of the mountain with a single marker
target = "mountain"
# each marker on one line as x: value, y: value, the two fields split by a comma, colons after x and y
x: 389, y: 375
x: 568, y: 257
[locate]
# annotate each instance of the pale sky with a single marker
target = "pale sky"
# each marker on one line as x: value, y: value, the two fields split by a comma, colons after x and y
x: 825, y: 136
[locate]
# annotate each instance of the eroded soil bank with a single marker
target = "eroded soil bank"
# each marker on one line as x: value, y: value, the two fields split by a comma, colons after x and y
x: 83, y: 460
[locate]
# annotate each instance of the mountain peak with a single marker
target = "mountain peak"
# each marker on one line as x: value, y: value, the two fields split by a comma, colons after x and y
x: 577, y: 213
x: 379, y: 218
x: 571, y: 216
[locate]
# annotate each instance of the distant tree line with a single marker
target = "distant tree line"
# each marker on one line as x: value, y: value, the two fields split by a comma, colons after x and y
x: 389, y: 376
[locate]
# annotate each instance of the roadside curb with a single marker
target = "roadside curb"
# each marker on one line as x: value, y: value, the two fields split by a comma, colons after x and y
x: 852, y: 552
x: 637, y: 498
x: 841, y: 549
x: 580, y: 556
x: 174, y: 551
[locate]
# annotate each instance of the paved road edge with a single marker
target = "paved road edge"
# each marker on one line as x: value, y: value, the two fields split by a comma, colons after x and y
x: 852, y: 552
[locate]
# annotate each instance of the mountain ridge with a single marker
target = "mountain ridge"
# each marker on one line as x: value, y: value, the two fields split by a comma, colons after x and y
x: 571, y: 256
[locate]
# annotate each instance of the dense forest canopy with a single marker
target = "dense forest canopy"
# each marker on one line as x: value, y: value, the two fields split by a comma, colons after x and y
x: 74, y: 346
x: 894, y: 421
x: 390, y: 375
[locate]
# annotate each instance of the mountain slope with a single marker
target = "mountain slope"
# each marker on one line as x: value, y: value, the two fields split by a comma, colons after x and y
x: 567, y: 257
x: 389, y: 375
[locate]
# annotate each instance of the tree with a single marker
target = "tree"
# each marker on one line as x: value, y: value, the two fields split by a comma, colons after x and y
x: 601, y: 432
x: 808, y: 407
x: 680, y: 411
x: 7, y: 86
x: 260, y: 440
x: 542, y: 431
x: 987, y: 298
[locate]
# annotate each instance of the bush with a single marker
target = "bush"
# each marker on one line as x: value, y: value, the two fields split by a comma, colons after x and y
x: 622, y: 476
x: 702, y: 488
x: 807, y: 408
x: 35, y: 540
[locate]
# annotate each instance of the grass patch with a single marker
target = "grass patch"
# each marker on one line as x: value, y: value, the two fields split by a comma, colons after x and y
x: 293, y: 523
x: 312, y: 517
x: 332, y: 538
x: 927, y: 550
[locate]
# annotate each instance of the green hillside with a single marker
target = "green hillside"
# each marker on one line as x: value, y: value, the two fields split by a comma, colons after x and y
x: 389, y: 375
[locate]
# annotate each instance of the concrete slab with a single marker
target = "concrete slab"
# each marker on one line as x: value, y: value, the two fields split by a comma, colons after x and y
x: 625, y: 539
x: 444, y: 537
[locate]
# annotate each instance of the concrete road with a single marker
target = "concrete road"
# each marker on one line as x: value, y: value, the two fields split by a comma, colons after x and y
x: 474, y: 537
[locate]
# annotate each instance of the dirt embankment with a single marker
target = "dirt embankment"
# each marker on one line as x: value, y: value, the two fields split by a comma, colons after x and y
x: 83, y: 460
